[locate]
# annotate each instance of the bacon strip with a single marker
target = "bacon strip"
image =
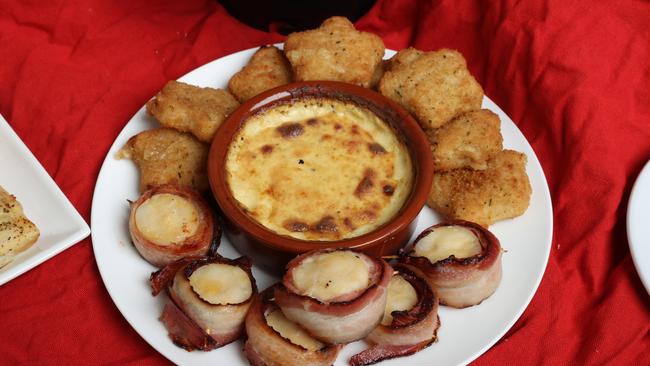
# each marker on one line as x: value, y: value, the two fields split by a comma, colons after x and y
x: 461, y: 282
x: 340, y: 321
x: 163, y: 277
x: 384, y: 352
x: 183, y: 331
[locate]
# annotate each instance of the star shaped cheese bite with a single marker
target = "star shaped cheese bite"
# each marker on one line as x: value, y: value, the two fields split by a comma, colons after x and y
x: 334, y: 51
x: 167, y: 156
x: 267, y: 69
x: 189, y: 108
x: 433, y: 86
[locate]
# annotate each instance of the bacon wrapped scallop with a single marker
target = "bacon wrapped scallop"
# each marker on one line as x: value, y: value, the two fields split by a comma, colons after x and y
x: 460, y: 259
x: 208, y: 300
x: 169, y: 222
x: 337, y: 295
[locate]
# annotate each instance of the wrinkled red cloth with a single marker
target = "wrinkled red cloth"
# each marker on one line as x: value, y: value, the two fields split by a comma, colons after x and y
x: 574, y: 75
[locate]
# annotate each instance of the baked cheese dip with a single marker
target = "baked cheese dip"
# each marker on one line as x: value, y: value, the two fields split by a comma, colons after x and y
x: 319, y: 169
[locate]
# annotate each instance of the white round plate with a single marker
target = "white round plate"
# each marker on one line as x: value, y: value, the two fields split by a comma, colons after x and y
x: 464, y: 334
x: 638, y: 225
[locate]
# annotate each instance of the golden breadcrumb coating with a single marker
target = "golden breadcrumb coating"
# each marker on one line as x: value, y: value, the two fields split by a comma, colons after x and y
x: 499, y: 192
x: 467, y: 141
x: 334, y: 51
x: 167, y: 156
x: 267, y: 69
x: 433, y: 86
x: 189, y: 108
x: 17, y: 233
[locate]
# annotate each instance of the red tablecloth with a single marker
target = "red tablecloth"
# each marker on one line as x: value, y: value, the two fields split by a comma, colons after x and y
x: 574, y: 75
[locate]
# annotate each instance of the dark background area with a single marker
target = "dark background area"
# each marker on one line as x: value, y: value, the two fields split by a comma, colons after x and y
x: 286, y: 16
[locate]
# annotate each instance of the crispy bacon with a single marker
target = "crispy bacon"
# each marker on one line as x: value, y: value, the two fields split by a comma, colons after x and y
x: 183, y: 331
x: 461, y: 282
x: 345, y: 319
x: 385, y: 352
x: 161, y: 279
x: 264, y: 346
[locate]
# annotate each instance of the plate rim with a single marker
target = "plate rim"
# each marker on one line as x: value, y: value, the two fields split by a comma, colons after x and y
x: 630, y: 224
x: 531, y: 160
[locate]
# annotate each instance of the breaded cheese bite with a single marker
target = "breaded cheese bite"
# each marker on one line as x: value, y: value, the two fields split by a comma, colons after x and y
x: 499, y: 192
x: 167, y: 156
x: 189, y: 108
x: 267, y: 68
x: 334, y: 51
x: 467, y: 141
x: 434, y: 86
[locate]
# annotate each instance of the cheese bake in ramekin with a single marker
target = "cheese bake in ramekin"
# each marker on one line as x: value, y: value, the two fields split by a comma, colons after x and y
x: 317, y: 165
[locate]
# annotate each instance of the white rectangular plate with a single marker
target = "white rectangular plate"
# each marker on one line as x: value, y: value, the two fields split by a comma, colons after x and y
x: 44, y: 204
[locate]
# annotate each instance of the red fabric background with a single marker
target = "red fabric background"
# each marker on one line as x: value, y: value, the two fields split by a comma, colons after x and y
x: 574, y: 75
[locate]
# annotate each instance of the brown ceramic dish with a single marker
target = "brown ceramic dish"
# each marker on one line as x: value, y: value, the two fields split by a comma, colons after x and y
x: 271, y: 250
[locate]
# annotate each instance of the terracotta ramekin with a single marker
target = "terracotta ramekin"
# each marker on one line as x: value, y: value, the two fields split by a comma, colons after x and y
x: 271, y: 251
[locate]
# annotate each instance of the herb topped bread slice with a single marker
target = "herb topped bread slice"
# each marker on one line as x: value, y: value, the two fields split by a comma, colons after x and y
x: 17, y: 233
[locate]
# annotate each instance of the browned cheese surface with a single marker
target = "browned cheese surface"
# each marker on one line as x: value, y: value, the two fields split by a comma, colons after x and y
x: 319, y: 170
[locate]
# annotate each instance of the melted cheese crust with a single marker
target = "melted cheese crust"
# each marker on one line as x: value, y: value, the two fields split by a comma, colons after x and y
x: 446, y: 241
x: 167, y: 219
x: 401, y: 296
x: 291, y: 331
x: 221, y: 284
x: 319, y: 169
x: 330, y: 275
